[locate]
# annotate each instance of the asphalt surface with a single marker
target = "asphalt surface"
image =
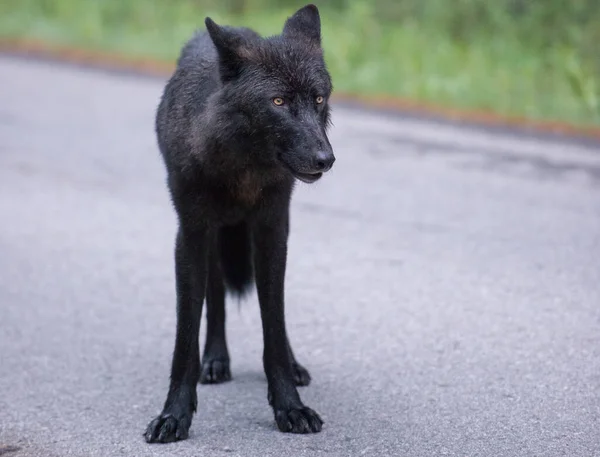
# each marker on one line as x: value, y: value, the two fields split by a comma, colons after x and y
x: 443, y: 287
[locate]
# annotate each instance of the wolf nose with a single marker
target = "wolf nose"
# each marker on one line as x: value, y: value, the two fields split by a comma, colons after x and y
x: 323, y: 161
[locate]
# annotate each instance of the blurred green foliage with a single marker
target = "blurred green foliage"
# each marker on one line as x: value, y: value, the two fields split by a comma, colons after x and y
x: 535, y: 58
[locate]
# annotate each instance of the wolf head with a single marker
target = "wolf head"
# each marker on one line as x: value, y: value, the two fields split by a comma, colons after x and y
x: 278, y: 90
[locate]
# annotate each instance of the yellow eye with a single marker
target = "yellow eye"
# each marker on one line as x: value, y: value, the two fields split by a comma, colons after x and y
x: 278, y: 101
x: 320, y: 99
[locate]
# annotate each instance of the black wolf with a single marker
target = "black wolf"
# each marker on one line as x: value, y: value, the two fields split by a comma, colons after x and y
x: 241, y: 118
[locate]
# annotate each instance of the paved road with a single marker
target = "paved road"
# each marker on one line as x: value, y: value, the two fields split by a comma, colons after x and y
x: 444, y: 287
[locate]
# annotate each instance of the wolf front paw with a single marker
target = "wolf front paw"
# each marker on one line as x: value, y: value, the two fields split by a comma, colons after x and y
x: 298, y: 420
x: 167, y: 428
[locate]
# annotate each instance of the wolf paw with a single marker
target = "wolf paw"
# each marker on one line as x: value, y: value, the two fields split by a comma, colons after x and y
x: 166, y: 428
x: 215, y: 371
x: 301, y: 375
x: 298, y: 420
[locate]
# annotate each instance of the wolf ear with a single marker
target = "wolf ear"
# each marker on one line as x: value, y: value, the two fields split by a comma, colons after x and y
x: 232, y: 48
x: 305, y: 24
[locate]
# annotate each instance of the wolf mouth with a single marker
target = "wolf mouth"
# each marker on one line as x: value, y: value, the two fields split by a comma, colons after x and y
x: 307, y: 177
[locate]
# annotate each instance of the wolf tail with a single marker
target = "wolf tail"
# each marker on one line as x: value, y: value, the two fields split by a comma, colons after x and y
x: 235, y: 249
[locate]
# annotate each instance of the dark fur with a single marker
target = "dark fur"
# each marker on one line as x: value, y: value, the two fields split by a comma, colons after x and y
x: 232, y: 156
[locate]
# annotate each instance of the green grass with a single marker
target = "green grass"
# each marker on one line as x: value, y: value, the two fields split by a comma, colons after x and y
x: 427, y: 57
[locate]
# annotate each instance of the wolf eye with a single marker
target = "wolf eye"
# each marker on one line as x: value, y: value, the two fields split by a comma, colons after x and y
x: 278, y: 101
x: 320, y: 99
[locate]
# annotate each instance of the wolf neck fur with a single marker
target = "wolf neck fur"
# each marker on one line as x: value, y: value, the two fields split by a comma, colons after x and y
x: 238, y: 170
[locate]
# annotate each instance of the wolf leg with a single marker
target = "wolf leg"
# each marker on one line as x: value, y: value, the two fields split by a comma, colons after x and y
x: 215, y: 359
x: 270, y: 242
x: 191, y: 271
